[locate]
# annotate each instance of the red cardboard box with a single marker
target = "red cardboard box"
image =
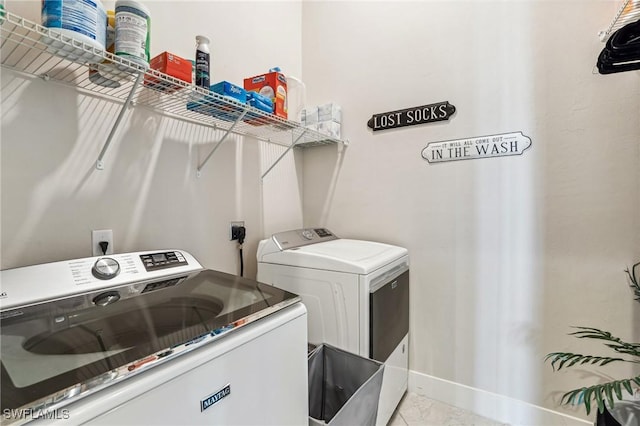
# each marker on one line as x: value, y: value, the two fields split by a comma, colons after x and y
x: 172, y: 65
x: 273, y: 85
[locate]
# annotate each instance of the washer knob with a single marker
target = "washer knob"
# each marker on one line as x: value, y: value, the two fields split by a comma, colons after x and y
x: 107, y: 298
x: 105, y: 268
x: 308, y: 234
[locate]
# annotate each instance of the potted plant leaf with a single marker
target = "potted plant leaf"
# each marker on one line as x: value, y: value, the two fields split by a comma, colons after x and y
x: 603, y: 395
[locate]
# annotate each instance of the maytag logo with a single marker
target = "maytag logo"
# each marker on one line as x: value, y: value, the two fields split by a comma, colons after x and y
x: 216, y: 397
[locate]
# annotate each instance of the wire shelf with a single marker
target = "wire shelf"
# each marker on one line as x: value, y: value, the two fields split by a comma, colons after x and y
x: 30, y: 48
x: 629, y: 12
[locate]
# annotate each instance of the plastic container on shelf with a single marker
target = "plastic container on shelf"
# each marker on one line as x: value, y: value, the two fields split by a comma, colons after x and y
x: 2, y: 13
x: 82, y: 20
x: 296, y: 98
x: 133, y: 32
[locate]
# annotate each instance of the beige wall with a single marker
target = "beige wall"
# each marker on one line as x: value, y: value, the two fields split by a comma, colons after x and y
x: 507, y: 253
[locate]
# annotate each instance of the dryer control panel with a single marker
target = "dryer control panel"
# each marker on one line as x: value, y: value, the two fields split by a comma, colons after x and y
x: 302, y: 237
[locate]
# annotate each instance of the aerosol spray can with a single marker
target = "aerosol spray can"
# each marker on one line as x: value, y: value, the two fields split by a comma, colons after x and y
x: 202, y: 62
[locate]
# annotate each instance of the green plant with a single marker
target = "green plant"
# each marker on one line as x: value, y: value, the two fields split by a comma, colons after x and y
x: 601, y: 392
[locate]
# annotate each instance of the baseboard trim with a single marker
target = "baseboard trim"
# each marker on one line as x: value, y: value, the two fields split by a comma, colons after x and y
x: 488, y: 404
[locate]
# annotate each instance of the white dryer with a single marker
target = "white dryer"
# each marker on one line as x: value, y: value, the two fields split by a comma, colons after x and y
x: 356, y: 294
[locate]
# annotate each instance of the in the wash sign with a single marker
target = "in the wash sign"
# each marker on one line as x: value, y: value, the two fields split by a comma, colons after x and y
x: 411, y: 116
x: 479, y: 147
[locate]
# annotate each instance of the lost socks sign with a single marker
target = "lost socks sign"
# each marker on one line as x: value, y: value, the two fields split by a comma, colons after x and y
x: 411, y: 116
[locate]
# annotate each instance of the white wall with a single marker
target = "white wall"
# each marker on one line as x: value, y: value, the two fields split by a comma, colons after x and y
x: 52, y: 196
x: 507, y: 253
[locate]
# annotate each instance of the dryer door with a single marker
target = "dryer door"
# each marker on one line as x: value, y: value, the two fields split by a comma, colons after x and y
x: 388, y: 315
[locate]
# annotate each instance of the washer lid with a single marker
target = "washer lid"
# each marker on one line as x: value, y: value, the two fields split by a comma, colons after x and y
x: 60, y: 350
x: 341, y: 255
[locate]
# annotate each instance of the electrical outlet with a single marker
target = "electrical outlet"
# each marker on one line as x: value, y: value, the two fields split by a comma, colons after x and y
x: 98, y: 236
x: 232, y: 235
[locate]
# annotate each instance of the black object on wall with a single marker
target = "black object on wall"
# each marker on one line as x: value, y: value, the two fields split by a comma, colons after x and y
x: 431, y: 113
x: 622, y: 51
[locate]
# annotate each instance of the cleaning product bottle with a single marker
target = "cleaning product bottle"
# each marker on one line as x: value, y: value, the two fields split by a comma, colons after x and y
x: 85, y: 22
x: 133, y: 32
x: 202, y: 62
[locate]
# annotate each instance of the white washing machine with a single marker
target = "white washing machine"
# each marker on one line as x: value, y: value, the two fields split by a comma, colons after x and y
x: 356, y: 294
x: 149, y: 338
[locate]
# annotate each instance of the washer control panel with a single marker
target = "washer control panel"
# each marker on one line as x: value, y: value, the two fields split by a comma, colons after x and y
x: 169, y: 259
x: 126, y: 273
x: 302, y: 237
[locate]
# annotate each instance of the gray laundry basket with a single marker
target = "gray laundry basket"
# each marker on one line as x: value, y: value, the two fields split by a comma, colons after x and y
x: 344, y: 388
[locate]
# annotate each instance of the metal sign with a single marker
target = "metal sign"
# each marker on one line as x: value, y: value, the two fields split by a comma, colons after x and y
x: 411, y: 116
x: 480, y: 147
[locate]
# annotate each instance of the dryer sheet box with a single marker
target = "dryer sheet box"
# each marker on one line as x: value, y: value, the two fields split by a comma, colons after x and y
x: 273, y: 85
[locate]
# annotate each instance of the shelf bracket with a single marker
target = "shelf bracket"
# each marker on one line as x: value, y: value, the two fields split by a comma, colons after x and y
x: 284, y: 153
x: 224, y: 137
x: 125, y: 106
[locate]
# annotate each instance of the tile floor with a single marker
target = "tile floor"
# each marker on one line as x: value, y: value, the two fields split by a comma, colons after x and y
x: 416, y: 410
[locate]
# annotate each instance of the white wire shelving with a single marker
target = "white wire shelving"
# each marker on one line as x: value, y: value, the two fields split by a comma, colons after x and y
x: 628, y: 12
x: 29, y: 48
